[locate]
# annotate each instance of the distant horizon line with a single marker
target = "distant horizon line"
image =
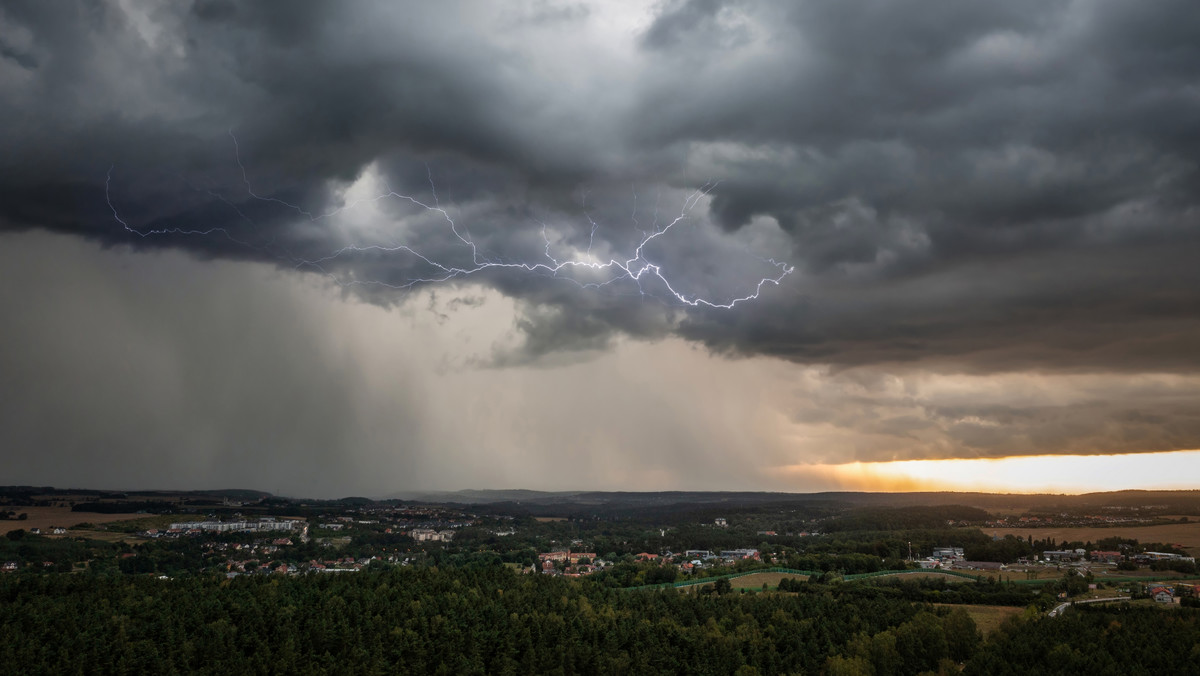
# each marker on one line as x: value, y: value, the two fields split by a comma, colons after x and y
x: 567, y: 492
x: 1044, y: 474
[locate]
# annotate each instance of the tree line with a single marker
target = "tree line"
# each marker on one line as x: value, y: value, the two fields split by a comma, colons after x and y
x: 488, y: 619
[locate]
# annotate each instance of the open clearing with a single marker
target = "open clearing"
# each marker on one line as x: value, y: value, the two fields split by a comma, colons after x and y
x: 756, y: 580
x: 748, y: 581
x: 987, y: 618
x: 1187, y: 535
x: 47, y: 517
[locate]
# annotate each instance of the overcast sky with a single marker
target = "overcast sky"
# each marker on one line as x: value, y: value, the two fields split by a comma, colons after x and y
x: 317, y: 248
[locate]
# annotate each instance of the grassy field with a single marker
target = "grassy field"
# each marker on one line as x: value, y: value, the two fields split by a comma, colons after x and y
x: 1034, y: 573
x: 47, y: 517
x: 140, y: 522
x: 987, y: 618
x: 103, y: 536
x: 1187, y: 535
x: 756, y: 580
x: 1142, y: 573
x: 1100, y: 573
x: 918, y: 575
x: 749, y: 581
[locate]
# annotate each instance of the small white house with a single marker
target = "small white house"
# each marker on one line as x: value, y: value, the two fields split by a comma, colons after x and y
x: 1162, y: 595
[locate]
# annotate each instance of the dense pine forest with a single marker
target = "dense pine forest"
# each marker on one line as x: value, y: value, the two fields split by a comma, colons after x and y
x: 492, y: 620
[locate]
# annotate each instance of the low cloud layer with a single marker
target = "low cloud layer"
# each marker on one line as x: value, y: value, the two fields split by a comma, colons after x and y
x: 138, y: 369
x: 1006, y: 193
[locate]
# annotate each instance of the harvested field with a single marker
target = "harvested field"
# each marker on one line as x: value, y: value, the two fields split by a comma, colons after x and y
x: 1186, y: 535
x: 987, y: 618
x: 47, y: 517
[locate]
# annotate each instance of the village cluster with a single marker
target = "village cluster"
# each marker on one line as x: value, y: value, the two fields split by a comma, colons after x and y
x: 1099, y: 561
x: 237, y: 544
x: 421, y: 524
x: 574, y: 564
x: 1064, y: 520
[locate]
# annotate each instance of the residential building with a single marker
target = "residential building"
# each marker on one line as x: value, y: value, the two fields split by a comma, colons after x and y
x: 237, y: 526
x: 567, y: 556
x: 1062, y: 555
x: 1164, y: 556
x: 735, y: 554
x: 1162, y: 594
x: 431, y: 535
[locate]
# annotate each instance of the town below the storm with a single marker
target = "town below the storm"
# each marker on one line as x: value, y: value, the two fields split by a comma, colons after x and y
x: 966, y: 573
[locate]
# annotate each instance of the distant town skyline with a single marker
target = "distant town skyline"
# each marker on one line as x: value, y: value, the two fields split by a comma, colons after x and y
x: 359, y: 247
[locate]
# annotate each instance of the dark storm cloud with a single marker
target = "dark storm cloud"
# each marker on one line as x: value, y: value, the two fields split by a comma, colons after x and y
x: 680, y: 22
x: 1091, y: 414
x: 986, y: 187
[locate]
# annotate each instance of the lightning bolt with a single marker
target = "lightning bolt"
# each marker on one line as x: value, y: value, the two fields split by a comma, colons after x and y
x: 638, y: 267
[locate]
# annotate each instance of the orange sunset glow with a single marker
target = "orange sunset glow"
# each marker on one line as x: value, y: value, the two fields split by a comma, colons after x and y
x: 1015, y: 474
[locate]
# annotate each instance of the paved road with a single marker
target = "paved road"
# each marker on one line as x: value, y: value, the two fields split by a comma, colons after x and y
x: 1058, y: 610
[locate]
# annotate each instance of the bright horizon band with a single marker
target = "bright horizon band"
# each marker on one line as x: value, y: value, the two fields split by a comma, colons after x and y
x: 1166, y: 470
